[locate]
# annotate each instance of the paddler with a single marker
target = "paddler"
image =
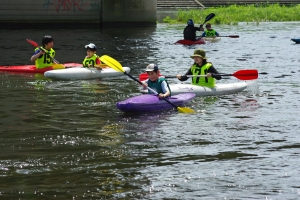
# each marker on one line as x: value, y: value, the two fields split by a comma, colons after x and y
x: 92, y: 59
x: 43, y: 56
x: 156, y: 82
x: 189, y: 32
x: 201, y: 67
x: 209, y: 31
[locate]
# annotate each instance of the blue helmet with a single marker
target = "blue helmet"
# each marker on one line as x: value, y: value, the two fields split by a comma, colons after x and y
x: 190, y: 22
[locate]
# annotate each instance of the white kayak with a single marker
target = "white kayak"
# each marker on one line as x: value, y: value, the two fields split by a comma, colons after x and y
x: 212, y: 39
x: 219, y: 89
x: 81, y: 73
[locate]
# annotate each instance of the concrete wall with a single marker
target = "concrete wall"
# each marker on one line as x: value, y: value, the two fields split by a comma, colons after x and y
x: 134, y: 12
x: 77, y: 12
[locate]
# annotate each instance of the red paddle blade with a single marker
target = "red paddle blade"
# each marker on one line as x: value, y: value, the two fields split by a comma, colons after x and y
x: 33, y: 43
x: 247, y: 74
x: 234, y: 36
x: 145, y: 76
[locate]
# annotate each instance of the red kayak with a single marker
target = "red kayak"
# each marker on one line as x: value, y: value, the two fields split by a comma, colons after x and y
x: 33, y: 69
x: 191, y: 42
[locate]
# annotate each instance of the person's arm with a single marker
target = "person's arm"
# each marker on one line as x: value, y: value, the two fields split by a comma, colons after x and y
x: 165, y: 89
x: 201, y: 27
x: 214, y: 73
x: 36, y: 55
x: 184, y: 77
x: 217, y: 34
x: 98, y: 63
x: 145, y: 84
x: 203, y: 34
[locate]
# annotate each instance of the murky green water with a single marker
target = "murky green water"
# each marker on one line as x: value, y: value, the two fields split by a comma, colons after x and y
x: 67, y: 139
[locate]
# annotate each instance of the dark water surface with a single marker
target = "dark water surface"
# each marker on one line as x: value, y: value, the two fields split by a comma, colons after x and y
x: 67, y: 139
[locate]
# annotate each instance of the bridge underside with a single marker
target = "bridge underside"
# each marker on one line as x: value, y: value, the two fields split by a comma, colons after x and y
x: 80, y: 13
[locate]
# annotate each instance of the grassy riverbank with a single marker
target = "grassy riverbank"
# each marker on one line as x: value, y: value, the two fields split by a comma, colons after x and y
x: 234, y: 14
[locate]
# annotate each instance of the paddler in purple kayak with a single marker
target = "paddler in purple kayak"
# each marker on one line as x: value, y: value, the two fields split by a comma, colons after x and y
x: 156, y: 82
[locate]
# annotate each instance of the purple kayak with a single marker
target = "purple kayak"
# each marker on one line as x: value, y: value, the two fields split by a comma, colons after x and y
x: 151, y: 103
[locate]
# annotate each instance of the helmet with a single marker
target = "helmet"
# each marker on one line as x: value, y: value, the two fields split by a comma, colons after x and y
x: 190, y: 22
x: 47, y: 39
x: 91, y: 46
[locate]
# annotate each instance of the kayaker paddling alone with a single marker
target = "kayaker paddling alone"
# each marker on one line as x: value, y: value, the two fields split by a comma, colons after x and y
x: 201, y: 67
x: 189, y: 32
x: 156, y: 82
x: 41, y: 58
x: 91, y: 59
x: 210, y: 32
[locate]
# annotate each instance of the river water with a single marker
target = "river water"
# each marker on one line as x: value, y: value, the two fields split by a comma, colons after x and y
x: 67, y: 139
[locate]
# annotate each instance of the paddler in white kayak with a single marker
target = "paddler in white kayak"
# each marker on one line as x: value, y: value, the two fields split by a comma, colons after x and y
x: 209, y: 31
x: 92, y: 59
x: 201, y: 67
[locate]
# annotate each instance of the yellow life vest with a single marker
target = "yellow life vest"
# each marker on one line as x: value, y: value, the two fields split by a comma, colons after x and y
x: 211, y: 33
x: 91, y: 60
x: 45, y: 60
x: 202, y: 81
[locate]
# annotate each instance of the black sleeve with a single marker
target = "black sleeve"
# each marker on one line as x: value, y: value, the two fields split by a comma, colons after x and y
x: 196, y: 29
x: 215, y: 73
x: 184, y: 77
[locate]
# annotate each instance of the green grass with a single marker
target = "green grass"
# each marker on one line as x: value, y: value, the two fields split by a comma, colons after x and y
x: 233, y: 14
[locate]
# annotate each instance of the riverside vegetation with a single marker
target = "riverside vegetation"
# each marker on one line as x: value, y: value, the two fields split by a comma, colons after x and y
x: 233, y: 14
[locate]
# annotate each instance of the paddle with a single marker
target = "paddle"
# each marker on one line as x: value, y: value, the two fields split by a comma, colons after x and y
x: 56, y: 65
x: 118, y: 67
x: 245, y: 74
x: 208, y: 17
x: 231, y: 36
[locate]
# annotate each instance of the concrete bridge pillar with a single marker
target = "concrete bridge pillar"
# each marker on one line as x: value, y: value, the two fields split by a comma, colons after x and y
x: 128, y: 12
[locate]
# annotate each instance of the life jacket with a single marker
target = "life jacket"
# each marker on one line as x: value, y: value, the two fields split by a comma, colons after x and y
x: 157, y: 85
x: 210, y: 33
x: 91, y: 60
x: 45, y: 60
x: 202, y: 81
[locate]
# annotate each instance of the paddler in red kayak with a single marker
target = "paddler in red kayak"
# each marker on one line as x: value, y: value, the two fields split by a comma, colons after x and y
x: 189, y: 32
x: 156, y: 82
x: 41, y: 58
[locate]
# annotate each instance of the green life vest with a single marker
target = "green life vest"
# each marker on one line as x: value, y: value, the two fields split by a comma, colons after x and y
x: 211, y: 33
x: 157, y: 85
x: 202, y: 81
x: 45, y: 60
x: 91, y: 60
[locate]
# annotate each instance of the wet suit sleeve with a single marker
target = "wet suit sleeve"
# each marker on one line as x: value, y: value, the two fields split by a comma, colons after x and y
x: 184, y: 77
x: 214, y: 73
